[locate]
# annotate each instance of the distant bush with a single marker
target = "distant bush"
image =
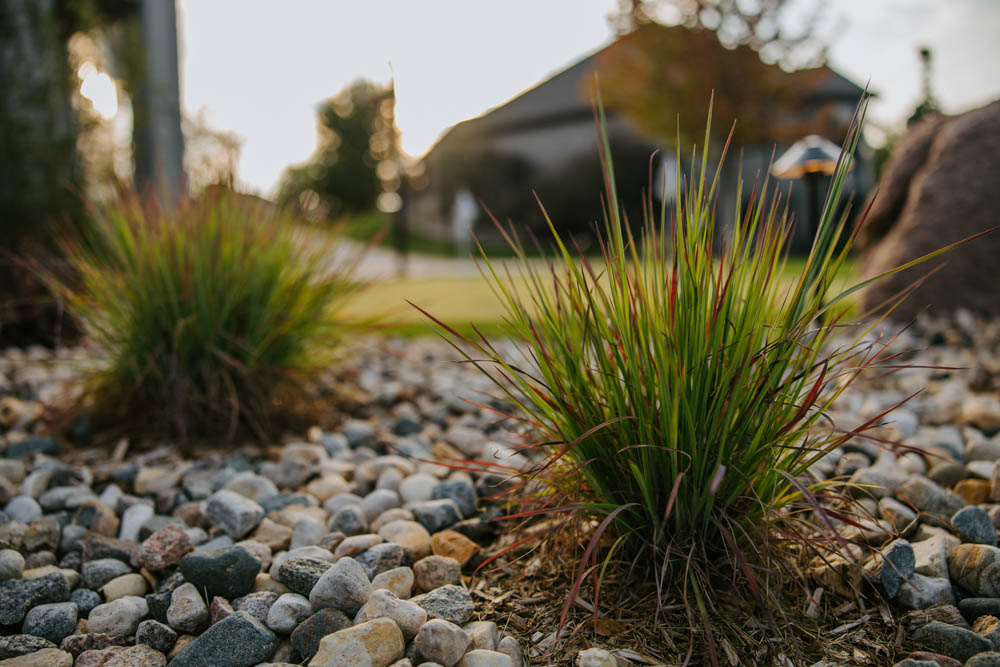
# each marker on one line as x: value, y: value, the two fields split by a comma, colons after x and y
x: 206, y: 313
x: 357, y: 135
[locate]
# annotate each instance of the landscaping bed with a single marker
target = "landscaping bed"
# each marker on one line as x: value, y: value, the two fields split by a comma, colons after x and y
x: 296, y: 553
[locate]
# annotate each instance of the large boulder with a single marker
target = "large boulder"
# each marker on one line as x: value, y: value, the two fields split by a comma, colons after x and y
x: 939, y: 187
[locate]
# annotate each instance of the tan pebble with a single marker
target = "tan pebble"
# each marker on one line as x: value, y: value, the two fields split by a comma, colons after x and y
x: 973, y: 491
x: 182, y: 643
x: 442, y: 451
x: 327, y: 486
x: 47, y: 657
x: 264, y: 582
x: 273, y: 534
x: 454, y: 545
x: 126, y: 584
x: 376, y: 642
x: 410, y: 535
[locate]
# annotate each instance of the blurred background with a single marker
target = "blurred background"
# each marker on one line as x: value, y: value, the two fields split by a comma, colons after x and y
x: 404, y: 122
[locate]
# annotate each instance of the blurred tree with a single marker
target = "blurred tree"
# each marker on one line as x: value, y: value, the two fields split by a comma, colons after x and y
x: 55, y: 149
x: 928, y: 104
x: 762, y: 25
x: 210, y: 155
x: 657, y: 72
x: 40, y: 168
x: 356, y: 146
x: 40, y: 173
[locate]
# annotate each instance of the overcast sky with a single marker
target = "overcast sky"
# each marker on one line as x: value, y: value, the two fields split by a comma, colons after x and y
x: 258, y: 68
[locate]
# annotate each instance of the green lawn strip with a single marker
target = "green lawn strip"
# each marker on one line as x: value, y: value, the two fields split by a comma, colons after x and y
x: 461, y: 302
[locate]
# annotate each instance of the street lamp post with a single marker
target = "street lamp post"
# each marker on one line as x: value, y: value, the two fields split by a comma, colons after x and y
x: 809, y: 159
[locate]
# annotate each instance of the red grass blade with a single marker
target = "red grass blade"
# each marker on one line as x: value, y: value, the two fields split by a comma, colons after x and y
x: 591, y: 546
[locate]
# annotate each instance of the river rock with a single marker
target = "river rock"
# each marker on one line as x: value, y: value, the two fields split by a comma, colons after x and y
x: 920, y: 592
x: 951, y: 640
x: 118, y: 618
x: 235, y: 514
x: 399, y: 580
x: 301, y: 574
x: 483, y: 658
x: 928, y: 497
x: 17, y: 596
x: 188, y: 613
x: 973, y: 524
x: 892, y: 565
x: 306, y: 637
x: 976, y: 568
x: 157, y: 635
x: 228, y: 572
x: 46, y: 657
x: 238, y: 640
x: 450, y: 603
x: 410, y: 535
x: 442, y: 641
x: 287, y: 612
x: 344, y: 586
x: 53, y: 621
x: 14, y: 645
x: 378, y: 643
x: 165, y: 548
x: 407, y: 615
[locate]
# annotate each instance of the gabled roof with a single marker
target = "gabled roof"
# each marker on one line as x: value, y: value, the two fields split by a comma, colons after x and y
x: 561, y: 97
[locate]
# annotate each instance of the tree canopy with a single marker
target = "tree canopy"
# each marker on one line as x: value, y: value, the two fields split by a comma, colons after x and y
x: 663, y: 77
x: 762, y: 25
x: 356, y: 135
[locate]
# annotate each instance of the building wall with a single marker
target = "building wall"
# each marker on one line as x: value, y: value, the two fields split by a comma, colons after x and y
x: 551, y: 146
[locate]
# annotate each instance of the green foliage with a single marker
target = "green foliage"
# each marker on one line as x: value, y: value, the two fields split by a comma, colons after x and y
x: 681, y: 383
x: 40, y: 174
x: 206, y: 313
x: 38, y: 132
x: 341, y: 176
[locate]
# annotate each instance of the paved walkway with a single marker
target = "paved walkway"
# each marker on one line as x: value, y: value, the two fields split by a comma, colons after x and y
x: 382, y: 263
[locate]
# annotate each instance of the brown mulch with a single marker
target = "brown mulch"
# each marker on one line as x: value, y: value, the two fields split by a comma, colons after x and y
x: 525, y: 596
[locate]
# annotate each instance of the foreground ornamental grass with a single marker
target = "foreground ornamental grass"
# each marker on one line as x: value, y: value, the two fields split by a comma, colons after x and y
x: 678, y: 385
x: 206, y: 312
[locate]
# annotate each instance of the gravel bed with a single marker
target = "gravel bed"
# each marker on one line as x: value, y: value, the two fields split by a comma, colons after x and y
x: 336, y: 548
x: 353, y: 548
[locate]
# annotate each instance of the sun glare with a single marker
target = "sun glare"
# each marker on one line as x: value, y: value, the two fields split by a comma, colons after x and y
x: 99, y: 88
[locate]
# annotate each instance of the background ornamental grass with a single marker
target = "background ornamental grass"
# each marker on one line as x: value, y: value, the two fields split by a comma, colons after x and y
x: 678, y: 383
x: 206, y: 313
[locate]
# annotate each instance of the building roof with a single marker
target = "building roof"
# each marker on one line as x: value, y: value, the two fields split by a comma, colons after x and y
x: 562, y: 97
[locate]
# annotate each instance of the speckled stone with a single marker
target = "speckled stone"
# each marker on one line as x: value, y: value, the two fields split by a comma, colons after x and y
x: 307, y: 636
x: 236, y: 641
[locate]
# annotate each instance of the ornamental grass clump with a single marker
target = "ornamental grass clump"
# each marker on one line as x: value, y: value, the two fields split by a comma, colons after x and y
x: 679, y: 381
x: 206, y: 313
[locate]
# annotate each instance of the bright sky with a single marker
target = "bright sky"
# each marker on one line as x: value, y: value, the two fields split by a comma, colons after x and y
x: 259, y: 68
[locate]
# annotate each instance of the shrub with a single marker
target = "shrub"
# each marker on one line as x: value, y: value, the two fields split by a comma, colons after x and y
x: 205, y: 312
x: 678, y: 385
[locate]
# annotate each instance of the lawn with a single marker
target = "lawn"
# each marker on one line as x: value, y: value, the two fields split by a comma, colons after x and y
x: 460, y: 302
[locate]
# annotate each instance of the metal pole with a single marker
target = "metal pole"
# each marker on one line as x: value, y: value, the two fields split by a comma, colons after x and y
x: 165, y: 170
x: 812, y: 190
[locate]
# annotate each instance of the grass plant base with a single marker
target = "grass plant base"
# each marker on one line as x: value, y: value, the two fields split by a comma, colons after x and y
x: 639, y: 623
